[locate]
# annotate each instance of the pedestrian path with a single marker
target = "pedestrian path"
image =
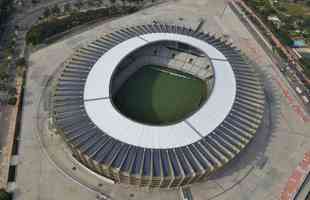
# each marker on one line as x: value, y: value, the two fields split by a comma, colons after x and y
x: 296, y: 180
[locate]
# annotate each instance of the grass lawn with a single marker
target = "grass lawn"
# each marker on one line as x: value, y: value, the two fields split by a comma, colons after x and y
x: 296, y: 9
x: 306, y: 62
x: 157, y: 95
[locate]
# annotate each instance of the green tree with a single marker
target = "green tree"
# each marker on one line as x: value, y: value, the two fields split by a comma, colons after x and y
x: 67, y: 7
x: 21, y: 61
x: 12, y: 91
x: 3, y: 75
x: 4, y: 195
x: 56, y: 10
x: 12, y: 101
x: 35, y: 1
x: 6, y: 7
x: 47, y: 12
x: 78, y: 4
x: 91, y: 3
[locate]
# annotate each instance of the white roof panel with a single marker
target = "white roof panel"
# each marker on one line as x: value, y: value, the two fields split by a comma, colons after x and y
x: 205, y: 120
x: 219, y: 102
x: 98, y: 80
x: 110, y: 121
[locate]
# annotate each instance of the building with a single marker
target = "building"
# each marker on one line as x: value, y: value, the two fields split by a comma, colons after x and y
x: 298, y: 41
x: 142, y: 155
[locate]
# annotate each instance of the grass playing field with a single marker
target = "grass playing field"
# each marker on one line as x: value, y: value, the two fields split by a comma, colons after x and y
x: 159, y: 96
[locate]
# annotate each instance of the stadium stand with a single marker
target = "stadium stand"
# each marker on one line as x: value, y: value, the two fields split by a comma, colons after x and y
x: 147, y: 167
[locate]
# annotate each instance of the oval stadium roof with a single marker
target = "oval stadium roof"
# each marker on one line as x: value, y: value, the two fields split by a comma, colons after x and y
x: 150, y: 156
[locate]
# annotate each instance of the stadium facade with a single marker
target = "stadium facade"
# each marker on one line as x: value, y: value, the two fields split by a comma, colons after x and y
x: 143, y: 155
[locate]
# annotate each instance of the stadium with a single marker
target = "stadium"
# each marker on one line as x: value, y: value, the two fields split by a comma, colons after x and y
x: 157, y: 105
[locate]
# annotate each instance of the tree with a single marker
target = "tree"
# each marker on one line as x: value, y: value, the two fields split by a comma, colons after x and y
x: 21, y: 61
x: 91, y: 3
x: 12, y: 101
x: 13, y: 43
x: 12, y: 91
x: 6, y: 7
x: 67, y: 7
x: 4, y: 195
x: 282, y: 8
x: 4, y: 75
x: 56, y: 10
x: 47, y: 12
x: 35, y: 1
x: 79, y: 4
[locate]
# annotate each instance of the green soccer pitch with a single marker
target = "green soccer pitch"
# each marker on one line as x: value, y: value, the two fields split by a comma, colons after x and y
x: 160, y: 96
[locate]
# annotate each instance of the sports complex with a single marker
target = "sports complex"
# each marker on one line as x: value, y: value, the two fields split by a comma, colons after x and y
x: 157, y: 105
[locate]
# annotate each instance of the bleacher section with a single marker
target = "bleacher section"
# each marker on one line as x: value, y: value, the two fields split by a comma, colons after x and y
x: 162, y: 55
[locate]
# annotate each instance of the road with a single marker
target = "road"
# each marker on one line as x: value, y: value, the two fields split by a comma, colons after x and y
x: 25, y: 18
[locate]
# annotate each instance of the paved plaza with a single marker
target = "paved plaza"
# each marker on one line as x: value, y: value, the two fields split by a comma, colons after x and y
x: 47, y: 171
